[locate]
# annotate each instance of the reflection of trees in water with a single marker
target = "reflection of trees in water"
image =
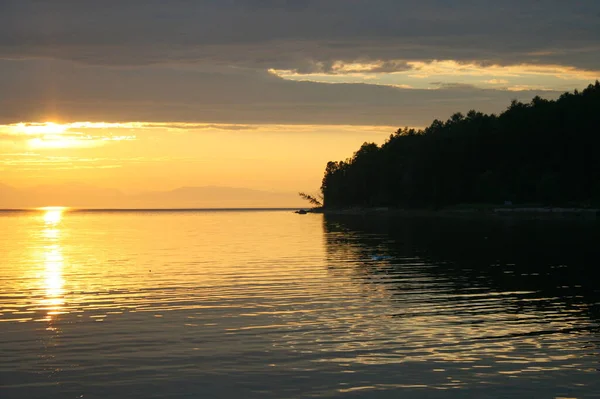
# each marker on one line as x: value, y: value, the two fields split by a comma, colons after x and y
x: 554, y: 259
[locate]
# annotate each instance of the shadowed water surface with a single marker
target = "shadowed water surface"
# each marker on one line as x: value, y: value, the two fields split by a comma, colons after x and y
x: 272, y: 304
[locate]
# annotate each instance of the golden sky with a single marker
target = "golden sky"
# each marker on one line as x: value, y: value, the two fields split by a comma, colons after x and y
x: 138, y: 157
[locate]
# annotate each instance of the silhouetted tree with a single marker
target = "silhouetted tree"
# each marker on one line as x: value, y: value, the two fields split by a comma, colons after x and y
x: 542, y: 152
x: 312, y: 199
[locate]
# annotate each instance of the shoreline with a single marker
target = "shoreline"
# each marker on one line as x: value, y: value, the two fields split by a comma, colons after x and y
x: 520, y: 212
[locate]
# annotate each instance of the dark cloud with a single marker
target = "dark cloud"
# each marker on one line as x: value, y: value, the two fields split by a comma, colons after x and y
x: 454, y: 86
x: 198, y: 126
x: 208, y: 61
x: 42, y: 90
x: 287, y: 5
x: 293, y: 34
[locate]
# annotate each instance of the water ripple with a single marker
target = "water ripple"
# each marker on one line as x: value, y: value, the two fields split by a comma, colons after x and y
x: 270, y: 304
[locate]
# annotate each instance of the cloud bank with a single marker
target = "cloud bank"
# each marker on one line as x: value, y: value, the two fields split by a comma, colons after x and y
x: 284, y: 34
x: 293, y: 62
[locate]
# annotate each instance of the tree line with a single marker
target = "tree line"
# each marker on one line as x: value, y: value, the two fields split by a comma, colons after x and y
x: 544, y: 152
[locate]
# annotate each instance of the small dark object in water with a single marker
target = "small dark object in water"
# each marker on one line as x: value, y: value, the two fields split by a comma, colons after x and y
x: 301, y: 212
x: 379, y: 257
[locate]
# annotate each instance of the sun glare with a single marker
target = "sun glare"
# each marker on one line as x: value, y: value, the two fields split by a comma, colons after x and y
x: 51, y: 135
x: 55, y: 141
x: 41, y: 128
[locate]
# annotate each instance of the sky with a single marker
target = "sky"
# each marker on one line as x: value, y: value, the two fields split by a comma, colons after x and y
x: 142, y: 96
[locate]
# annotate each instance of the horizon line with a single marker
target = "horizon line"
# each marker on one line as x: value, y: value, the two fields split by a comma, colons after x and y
x: 74, y: 209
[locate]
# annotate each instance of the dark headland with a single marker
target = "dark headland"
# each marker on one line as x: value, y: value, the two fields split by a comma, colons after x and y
x: 536, y: 158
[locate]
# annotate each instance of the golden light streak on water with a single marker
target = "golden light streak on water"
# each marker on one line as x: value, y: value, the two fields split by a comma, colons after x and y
x: 53, y: 262
x: 53, y: 281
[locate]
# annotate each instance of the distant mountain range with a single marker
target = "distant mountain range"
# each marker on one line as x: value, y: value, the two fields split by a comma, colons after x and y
x: 86, y: 196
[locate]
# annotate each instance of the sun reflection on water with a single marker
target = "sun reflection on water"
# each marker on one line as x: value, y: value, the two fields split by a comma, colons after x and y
x: 53, y: 281
x: 53, y: 214
x: 53, y: 263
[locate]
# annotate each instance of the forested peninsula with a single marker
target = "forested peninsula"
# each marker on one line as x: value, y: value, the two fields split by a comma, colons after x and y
x: 541, y: 153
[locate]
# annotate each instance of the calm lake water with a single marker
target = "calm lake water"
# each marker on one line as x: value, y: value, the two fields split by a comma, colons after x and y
x: 269, y: 304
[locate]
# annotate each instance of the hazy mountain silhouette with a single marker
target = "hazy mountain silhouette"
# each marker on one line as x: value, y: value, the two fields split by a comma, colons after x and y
x: 86, y: 196
x: 217, y: 197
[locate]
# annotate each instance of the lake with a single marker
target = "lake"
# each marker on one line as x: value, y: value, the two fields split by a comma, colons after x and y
x: 270, y: 304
